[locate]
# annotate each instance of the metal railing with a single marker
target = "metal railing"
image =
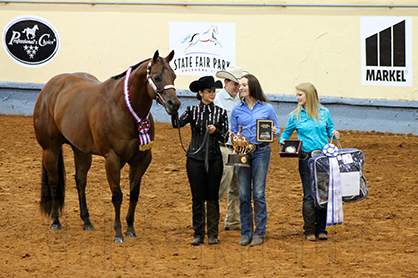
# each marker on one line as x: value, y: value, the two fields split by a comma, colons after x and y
x: 283, y: 5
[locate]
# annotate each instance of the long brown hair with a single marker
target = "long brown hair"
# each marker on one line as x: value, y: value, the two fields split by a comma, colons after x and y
x: 312, y: 101
x: 254, y: 88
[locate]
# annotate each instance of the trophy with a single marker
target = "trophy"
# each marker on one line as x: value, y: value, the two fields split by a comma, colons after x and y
x: 241, y: 148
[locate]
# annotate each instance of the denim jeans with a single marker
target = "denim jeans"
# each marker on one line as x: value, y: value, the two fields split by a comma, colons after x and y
x: 314, y: 217
x: 252, y: 184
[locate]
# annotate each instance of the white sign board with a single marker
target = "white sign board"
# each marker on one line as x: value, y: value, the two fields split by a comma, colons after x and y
x: 386, y: 51
x: 202, y: 48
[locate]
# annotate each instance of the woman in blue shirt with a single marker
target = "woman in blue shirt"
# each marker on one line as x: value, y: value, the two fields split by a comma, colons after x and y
x: 244, y: 116
x: 313, y: 125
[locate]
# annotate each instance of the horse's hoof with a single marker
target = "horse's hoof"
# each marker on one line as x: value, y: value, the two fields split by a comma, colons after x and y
x: 56, y: 226
x: 119, y: 240
x: 130, y: 234
x: 89, y: 227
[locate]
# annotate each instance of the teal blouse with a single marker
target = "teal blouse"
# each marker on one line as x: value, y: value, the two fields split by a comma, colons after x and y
x: 314, y: 135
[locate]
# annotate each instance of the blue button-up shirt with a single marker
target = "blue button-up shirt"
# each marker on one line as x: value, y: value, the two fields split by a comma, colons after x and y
x: 243, y: 116
x: 314, y: 135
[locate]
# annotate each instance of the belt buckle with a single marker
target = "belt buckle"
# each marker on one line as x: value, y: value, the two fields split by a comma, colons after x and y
x: 316, y: 153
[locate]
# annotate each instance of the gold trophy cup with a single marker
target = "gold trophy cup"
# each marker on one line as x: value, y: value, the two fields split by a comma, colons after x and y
x: 241, y: 148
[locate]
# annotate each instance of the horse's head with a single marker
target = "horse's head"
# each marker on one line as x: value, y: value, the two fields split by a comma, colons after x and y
x: 161, y: 78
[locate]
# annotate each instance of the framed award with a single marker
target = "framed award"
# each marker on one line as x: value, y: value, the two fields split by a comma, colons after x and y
x: 290, y: 148
x: 265, y: 131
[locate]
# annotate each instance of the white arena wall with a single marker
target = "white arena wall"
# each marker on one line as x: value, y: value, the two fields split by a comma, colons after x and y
x: 283, y: 44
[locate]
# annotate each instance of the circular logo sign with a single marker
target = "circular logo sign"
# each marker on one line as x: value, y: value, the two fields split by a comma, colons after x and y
x: 31, y: 41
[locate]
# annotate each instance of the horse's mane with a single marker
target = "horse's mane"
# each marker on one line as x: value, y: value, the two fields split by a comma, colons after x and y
x: 116, y: 77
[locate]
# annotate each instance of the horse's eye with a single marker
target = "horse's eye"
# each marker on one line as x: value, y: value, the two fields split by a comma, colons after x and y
x: 157, y: 78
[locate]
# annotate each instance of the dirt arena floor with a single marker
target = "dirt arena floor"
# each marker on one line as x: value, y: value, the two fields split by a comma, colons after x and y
x: 379, y: 237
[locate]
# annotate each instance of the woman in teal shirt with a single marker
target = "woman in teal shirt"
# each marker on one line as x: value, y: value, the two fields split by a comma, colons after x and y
x: 314, y: 126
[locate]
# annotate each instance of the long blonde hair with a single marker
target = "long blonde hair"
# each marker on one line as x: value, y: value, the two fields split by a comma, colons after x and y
x: 312, y: 102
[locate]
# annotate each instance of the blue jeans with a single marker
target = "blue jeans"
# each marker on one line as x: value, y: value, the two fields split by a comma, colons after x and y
x: 252, y: 183
x: 314, y: 217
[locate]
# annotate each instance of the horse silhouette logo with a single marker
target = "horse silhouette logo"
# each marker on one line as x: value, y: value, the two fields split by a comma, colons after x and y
x: 208, y: 36
x: 31, y: 32
x: 31, y: 41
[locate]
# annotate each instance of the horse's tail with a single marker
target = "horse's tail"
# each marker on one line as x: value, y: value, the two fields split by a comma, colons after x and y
x: 47, y: 197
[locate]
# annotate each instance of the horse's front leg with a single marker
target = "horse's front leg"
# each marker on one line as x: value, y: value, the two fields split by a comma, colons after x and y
x: 113, y: 167
x: 138, y: 165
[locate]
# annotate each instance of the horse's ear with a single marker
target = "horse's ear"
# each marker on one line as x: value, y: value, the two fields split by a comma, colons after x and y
x: 156, y: 55
x: 170, y: 56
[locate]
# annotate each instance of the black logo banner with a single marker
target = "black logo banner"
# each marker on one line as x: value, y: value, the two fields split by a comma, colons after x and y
x: 31, y: 41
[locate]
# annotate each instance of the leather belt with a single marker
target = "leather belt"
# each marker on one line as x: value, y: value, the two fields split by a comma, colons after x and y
x: 310, y: 154
x: 262, y: 145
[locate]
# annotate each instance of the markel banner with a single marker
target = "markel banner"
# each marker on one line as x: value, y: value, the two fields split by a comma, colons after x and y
x: 202, y: 48
x: 386, y: 51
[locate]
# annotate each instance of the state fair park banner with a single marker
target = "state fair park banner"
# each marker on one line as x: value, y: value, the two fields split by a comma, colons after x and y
x: 202, y: 48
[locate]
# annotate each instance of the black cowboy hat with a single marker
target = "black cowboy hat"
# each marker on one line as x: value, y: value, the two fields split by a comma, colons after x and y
x: 205, y: 82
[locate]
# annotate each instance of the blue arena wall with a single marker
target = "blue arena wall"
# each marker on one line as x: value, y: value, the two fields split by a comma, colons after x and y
x: 348, y: 114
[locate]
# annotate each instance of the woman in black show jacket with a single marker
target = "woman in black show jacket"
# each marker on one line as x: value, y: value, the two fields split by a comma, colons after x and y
x: 204, y: 158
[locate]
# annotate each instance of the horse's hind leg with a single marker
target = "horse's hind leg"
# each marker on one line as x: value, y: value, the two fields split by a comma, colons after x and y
x: 138, y: 166
x: 53, y: 184
x: 82, y: 166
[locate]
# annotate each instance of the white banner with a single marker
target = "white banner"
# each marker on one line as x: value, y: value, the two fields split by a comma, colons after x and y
x: 202, y: 48
x: 386, y: 51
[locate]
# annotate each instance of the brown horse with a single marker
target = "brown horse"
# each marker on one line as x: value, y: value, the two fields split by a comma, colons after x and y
x: 110, y: 119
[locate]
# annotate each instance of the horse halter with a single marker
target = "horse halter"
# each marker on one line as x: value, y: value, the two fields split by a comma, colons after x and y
x: 157, y: 91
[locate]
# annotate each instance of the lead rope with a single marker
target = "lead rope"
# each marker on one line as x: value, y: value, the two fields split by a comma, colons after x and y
x: 205, y: 144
